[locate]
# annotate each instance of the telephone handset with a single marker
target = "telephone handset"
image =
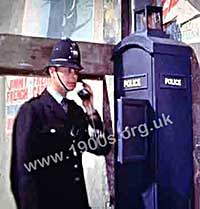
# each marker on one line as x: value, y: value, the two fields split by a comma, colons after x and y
x: 84, y: 94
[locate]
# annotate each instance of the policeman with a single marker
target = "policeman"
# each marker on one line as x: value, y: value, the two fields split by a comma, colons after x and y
x: 49, y: 135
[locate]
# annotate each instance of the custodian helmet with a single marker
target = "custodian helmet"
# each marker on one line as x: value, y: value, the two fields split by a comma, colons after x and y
x: 65, y: 53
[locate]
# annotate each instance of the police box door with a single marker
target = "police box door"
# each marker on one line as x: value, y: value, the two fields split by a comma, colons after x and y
x: 135, y: 160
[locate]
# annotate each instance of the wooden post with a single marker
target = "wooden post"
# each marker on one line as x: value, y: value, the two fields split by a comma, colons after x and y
x: 110, y: 160
x: 126, y: 14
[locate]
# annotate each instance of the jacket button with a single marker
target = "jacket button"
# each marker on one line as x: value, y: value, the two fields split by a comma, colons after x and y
x: 77, y: 179
x: 67, y: 157
x: 75, y: 166
x: 53, y: 130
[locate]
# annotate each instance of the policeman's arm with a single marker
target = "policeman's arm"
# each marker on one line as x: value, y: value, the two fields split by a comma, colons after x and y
x: 22, y: 180
x: 99, y: 142
x: 100, y: 139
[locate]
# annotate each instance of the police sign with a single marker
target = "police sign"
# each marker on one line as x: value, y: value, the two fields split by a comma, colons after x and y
x: 135, y: 82
x: 131, y: 83
x: 173, y: 81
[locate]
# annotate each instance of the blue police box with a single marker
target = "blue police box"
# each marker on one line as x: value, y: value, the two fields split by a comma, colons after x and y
x: 153, y: 114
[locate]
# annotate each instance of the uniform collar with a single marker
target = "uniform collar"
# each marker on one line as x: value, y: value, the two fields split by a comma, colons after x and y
x: 55, y: 108
x: 56, y: 95
x: 52, y: 104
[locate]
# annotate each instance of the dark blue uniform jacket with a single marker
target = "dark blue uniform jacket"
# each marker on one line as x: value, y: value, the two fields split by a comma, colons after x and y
x: 42, y: 131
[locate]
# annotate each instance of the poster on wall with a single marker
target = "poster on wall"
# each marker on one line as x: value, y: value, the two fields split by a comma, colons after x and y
x: 178, y: 10
x: 112, y: 21
x: 182, y: 20
x: 18, y: 91
x: 59, y: 19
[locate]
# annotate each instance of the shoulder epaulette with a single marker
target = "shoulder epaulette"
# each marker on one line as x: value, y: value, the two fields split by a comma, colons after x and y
x: 34, y: 98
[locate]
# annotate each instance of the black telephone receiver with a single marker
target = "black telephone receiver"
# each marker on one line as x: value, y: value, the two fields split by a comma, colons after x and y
x: 84, y: 94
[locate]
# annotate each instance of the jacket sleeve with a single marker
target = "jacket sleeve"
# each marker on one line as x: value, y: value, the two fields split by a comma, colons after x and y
x: 98, y: 142
x: 23, y: 182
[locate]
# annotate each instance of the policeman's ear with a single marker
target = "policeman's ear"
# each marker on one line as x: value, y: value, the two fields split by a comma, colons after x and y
x: 52, y: 71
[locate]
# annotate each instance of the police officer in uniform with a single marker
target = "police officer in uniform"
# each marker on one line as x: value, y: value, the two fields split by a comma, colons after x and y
x: 50, y: 134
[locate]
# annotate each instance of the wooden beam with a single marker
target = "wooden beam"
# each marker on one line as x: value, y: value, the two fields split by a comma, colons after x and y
x: 22, y: 55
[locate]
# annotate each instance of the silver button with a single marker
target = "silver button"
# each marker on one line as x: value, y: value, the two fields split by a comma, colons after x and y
x: 67, y: 157
x: 53, y: 130
x: 73, y: 141
x: 77, y: 179
x: 75, y: 166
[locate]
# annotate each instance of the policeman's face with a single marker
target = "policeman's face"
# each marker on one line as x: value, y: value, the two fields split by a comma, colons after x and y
x: 68, y: 76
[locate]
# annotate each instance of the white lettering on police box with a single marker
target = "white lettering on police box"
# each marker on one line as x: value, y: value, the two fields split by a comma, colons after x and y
x: 173, y: 81
x: 131, y: 83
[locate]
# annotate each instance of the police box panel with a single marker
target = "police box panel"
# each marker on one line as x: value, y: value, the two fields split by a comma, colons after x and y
x: 173, y: 93
x: 133, y: 130
x: 136, y: 77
